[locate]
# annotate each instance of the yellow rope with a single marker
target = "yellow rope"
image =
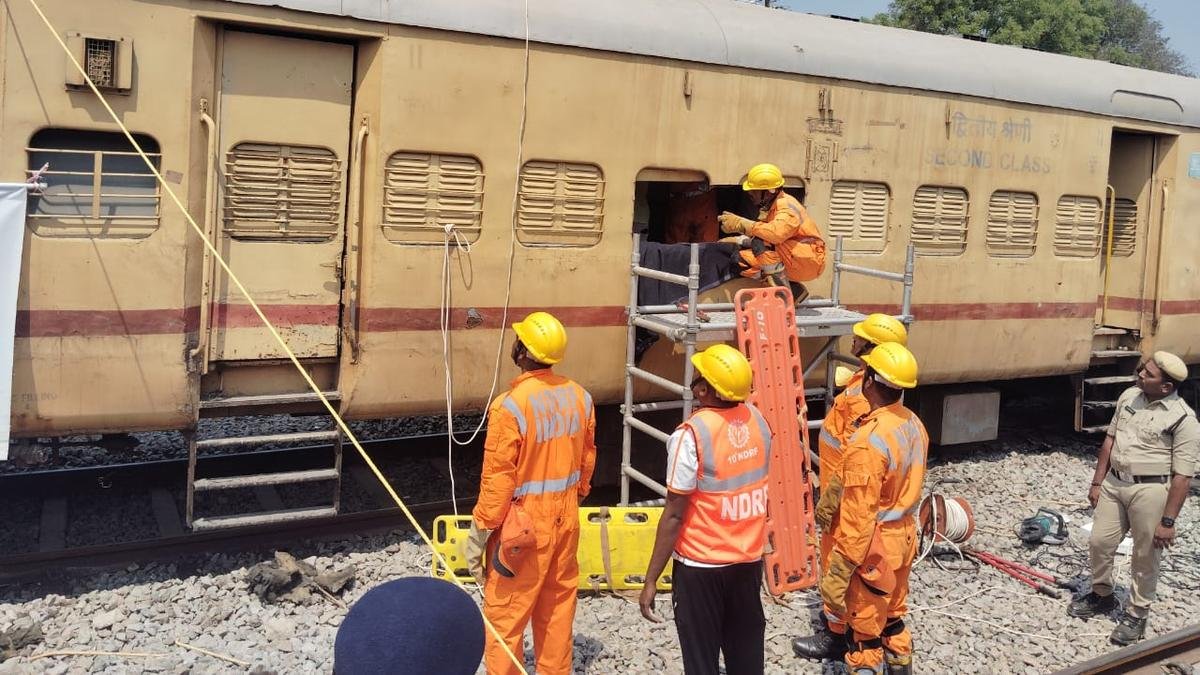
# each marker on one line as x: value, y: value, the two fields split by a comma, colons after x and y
x: 341, y: 423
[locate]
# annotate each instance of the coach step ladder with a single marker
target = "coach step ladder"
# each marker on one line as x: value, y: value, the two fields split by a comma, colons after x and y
x: 1110, y: 372
x: 262, y: 483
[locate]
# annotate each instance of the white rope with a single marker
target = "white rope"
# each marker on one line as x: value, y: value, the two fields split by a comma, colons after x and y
x: 956, y: 526
x: 444, y: 314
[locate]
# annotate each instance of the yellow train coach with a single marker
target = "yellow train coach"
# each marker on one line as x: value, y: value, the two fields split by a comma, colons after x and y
x: 391, y: 179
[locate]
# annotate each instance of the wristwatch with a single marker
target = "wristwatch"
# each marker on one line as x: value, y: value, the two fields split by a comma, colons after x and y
x: 1167, y: 522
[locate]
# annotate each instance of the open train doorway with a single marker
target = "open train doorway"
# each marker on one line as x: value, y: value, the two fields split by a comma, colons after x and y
x: 283, y: 119
x: 680, y: 206
x: 1132, y: 217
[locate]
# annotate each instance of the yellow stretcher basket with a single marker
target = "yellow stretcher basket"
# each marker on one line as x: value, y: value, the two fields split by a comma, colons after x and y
x: 614, y: 547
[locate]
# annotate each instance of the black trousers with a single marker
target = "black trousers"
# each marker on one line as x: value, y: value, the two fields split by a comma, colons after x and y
x: 718, y: 611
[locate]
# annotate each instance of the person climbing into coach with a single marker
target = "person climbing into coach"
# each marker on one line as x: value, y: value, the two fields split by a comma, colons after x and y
x: 1142, y: 477
x: 714, y: 524
x: 848, y: 408
x: 538, y: 459
x: 783, y: 246
x: 875, y: 536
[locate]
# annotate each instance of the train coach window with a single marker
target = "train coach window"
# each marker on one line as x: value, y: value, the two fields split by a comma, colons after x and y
x: 1012, y: 224
x: 422, y: 193
x: 858, y: 211
x: 1124, y: 226
x: 97, y: 185
x: 1077, y: 227
x: 939, y: 220
x: 282, y: 192
x: 560, y: 204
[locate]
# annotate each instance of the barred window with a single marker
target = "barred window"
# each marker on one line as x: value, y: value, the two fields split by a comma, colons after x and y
x: 422, y: 193
x: 560, y: 204
x: 858, y: 212
x: 288, y: 192
x: 1124, y: 228
x: 939, y: 220
x: 1077, y: 227
x: 96, y: 185
x: 1012, y: 224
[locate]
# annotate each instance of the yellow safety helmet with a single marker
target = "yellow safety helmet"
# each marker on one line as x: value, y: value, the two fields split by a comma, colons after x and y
x: 544, y: 337
x: 727, y: 370
x: 880, y: 328
x: 894, y: 363
x: 763, y: 177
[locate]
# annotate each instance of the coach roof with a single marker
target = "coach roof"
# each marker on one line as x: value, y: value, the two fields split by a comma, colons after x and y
x: 735, y: 34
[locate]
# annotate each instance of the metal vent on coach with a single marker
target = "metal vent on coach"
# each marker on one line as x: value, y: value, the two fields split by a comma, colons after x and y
x: 108, y: 62
x: 1077, y: 227
x: 858, y: 211
x: 1012, y: 224
x: 560, y: 204
x: 1124, y: 229
x: 423, y: 193
x: 284, y: 192
x: 939, y: 220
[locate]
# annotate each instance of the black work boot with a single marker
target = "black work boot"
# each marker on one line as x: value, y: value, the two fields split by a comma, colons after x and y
x: 1091, y: 605
x: 799, y: 291
x: 823, y: 644
x: 1129, y: 630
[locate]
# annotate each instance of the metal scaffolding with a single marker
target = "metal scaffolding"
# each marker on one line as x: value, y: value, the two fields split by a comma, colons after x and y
x: 815, y: 318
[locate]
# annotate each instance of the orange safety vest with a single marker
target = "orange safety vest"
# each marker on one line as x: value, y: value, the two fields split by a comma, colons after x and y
x: 787, y: 226
x: 727, y: 519
x: 540, y: 449
x: 847, y: 407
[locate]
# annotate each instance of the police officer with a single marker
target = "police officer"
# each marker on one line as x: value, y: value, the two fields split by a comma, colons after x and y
x: 715, y: 521
x: 1142, y: 477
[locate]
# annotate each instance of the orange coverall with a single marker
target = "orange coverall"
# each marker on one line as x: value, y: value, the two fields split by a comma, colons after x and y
x: 836, y: 430
x: 797, y: 242
x: 883, y: 470
x: 540, y: 452
x: 691, y: 214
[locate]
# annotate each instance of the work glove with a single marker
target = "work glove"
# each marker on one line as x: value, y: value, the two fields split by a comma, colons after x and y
x: 731, y: 223
x: 741, y: 240
x: 476, y: 544
x: 835, y: 582
x: 827, y: 505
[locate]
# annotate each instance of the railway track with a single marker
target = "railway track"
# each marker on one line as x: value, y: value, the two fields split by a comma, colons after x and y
x: 1175, y: 653
x: 157, y: 483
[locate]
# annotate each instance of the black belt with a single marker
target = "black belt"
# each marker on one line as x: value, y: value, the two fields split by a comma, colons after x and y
x: 1142, y: 479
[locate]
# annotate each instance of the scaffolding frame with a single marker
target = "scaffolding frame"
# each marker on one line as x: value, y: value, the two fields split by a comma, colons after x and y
x: 817, y: 317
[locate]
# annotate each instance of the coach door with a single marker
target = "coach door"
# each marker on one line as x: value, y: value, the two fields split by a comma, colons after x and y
x: 1126, y: 222
x: 284, y: 121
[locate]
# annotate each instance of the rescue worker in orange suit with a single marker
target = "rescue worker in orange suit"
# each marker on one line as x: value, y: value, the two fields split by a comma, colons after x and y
x: 783, y: 246
x: 848, y: 407
x: 691, y: 213
x: 538, y: 459
x: 715, y: 521
x: 875, y: 537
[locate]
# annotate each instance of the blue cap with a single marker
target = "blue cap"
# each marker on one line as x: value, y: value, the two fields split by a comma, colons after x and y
x: 410, y: 625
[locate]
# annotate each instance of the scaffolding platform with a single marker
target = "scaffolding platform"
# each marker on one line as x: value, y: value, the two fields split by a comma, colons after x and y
x: 820, y: 318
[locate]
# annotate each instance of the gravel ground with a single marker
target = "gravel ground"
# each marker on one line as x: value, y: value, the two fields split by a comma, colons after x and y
x: 963, y: 621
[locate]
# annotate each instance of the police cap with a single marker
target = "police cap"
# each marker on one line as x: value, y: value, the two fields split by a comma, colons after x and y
x: 1171, y: 365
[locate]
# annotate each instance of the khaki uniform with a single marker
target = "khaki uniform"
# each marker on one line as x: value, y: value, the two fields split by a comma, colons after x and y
x: 1150, y: 439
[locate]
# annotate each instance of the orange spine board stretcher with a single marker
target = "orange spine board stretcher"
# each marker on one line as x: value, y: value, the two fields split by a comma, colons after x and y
x: 766, y: 334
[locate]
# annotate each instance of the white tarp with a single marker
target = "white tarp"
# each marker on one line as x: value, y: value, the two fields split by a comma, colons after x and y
x: 12, y: 238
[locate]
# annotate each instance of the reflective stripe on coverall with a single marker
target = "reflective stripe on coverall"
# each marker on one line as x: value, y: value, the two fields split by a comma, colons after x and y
x: 836, y: 430
x: 727, y: 520
x: 797, y: 242
x: 540, y: 452
x: 883, y: 470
